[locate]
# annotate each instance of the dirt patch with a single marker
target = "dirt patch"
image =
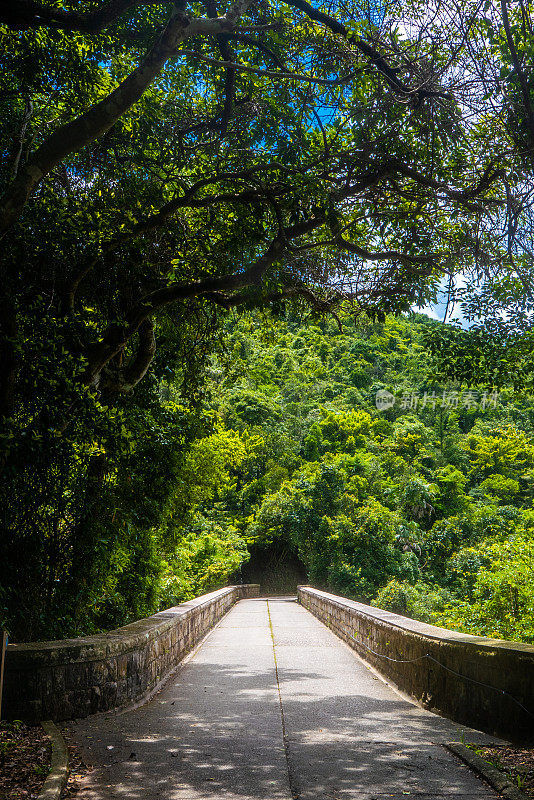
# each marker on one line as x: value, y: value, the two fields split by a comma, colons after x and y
x: 25, y: 752
x: 516, y: 762
x: 78, y: 769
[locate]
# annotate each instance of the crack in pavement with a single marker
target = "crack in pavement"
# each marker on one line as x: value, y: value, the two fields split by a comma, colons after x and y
x: 290, y: 776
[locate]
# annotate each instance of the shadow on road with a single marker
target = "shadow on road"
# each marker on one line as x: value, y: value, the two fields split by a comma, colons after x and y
x: 215, y: 731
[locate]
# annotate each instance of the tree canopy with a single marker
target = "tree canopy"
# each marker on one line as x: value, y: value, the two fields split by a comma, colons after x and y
x: 164, y: 163
x: 423, y: 508
x: 160, y: 155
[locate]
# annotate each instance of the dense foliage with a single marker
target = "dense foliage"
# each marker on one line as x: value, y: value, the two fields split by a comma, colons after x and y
x: 162, y: 163
x: 423, y: 508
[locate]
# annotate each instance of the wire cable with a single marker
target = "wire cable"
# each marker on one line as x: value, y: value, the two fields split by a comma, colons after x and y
x: 448, y: 669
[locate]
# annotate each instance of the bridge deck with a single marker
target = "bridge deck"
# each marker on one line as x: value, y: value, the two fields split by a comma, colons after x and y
x: 273, y: 705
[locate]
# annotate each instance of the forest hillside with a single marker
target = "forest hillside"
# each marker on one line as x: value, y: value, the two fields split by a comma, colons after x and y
x: 421, y: 506
x: 300, y: 450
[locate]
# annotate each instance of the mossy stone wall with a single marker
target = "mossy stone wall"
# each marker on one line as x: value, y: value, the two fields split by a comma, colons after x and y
x: 487, y: 684
x: 77, y: 677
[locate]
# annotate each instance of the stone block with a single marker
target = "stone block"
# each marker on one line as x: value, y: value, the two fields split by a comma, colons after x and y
x: 109, y: 696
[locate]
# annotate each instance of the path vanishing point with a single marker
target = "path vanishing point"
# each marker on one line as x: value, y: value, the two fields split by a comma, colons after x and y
x: 273, y: 706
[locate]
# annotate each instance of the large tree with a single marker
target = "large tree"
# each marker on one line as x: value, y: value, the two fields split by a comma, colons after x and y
x: 165, y: 162
x: 496, y: 294
x: 158, y: 153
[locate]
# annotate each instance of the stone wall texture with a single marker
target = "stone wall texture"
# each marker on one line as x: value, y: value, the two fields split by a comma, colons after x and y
x: 76, y: 677
x: 484, y: 683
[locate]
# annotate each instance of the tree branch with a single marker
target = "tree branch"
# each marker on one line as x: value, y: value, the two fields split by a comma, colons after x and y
x: 103, y: 115
x: 245, y: 39
x: 19, y: 142
x: 390, y: 167
x: 137, y: 368
x: 525, y: 89
x: 154, y: 221
x: 229, y: 79
x: 319, y: 304
x: 117, y: 336
x: 127, y: 378
x: 268, y: 73
x: 376, y: 58
x: 462, y: 196
x: 381, y: 255
x: 24, y: 14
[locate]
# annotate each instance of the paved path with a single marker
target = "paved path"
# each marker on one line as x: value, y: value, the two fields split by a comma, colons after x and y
x: 273, y: 706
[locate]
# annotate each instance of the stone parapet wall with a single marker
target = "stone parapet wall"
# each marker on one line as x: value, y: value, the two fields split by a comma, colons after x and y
x: 77, y: 677
x: 247, y: 591
x: 484, y: 683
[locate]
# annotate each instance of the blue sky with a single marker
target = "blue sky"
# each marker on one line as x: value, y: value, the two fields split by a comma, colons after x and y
x: 438, y: 310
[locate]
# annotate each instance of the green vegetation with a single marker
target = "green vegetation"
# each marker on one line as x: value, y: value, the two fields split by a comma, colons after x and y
x: 423, y: 508
x: 147, y: 188
x: 425, y: 511
x: 164, y: 165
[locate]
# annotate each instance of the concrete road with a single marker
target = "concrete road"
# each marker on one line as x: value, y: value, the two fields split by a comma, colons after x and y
x: 274, y: 706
